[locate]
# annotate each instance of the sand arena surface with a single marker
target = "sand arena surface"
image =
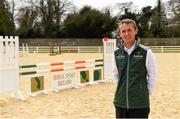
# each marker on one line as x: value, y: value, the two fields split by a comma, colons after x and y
x: 92, y: 101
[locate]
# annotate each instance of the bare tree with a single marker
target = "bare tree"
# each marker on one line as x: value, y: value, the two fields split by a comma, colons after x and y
x: 174, y: 9
x: 45, y: 15
x: 126, y: 7
x: 51, y: 13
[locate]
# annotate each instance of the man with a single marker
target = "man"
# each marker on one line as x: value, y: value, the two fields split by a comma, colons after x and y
x: 134, y: 69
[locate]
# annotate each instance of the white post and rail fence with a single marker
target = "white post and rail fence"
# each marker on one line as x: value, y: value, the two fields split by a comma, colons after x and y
x: 25, y: 49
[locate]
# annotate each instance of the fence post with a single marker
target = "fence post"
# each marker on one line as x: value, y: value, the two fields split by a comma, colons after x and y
x: 27, y: 49
x: 162, y: 49
x: 78, y: 49
x: 37, y: 49
x: 99, y: 49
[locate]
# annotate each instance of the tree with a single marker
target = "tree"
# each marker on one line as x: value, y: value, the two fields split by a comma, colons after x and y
x: 27, y: 21
x: 6, y: 21
x: 42, y: 18
x: 89, y: 23
x: 174, y: 9
x: 12, y: 15
x: 126, y: 7
x: 51, y: 13
x: 159, y: 20
x: 145, y: 22
x: 126, y: 11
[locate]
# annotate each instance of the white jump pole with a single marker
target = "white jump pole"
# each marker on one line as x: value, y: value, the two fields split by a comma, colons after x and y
x: 109, y: 46
x: 17, y: 94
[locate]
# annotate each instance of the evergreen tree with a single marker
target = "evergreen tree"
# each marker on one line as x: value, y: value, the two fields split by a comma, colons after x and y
x: 159, y: 20
x: 89, y: 23
x: 145, y: 21
x: 6, y: 21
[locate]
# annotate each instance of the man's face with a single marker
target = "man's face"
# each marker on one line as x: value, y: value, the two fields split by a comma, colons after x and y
x: 127, y: 33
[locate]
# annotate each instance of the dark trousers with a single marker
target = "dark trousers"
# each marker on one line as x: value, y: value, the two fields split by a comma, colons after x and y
x: 132, y: 113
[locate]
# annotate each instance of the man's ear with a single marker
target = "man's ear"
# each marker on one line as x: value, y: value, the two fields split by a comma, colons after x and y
x: 136, y: 30
x: 119, y: 34
x: 118, y: 31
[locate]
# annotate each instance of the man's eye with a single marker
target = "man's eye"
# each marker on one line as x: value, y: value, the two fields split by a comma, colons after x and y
x: 129, y: 30
x: 123, y: 31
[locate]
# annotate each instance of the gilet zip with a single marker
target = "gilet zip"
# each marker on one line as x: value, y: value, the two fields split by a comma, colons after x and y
x: 127, y: 81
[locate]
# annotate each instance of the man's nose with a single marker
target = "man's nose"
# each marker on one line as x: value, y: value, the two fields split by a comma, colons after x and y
x: 126, y: 33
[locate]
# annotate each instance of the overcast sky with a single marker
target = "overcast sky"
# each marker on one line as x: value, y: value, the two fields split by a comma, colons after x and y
x: 112, y: 3
x: 102, y: 3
